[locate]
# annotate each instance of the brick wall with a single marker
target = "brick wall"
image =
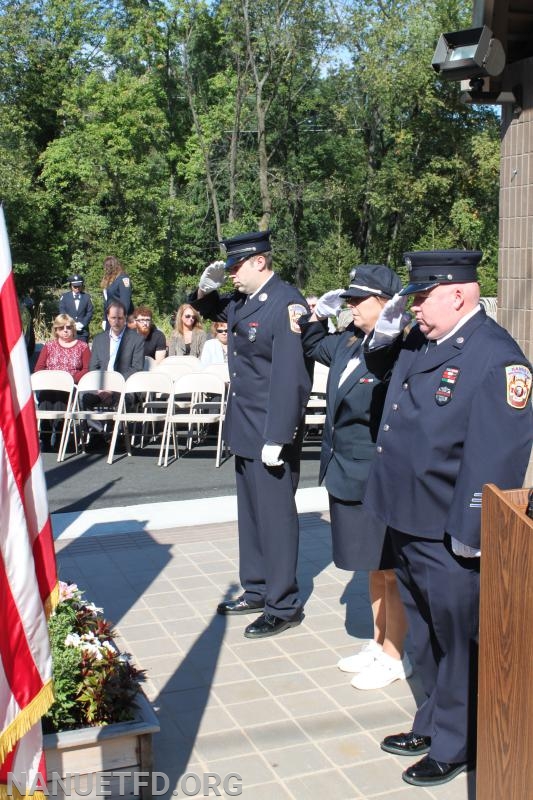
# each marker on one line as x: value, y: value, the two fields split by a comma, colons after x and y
x: 515, y: 268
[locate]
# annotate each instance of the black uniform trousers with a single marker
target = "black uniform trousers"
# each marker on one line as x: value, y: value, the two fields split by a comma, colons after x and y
x: 269, y: 533
x: 440, y: 592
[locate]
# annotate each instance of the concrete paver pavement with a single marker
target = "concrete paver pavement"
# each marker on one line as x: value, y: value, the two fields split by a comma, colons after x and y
x: 277, y: 712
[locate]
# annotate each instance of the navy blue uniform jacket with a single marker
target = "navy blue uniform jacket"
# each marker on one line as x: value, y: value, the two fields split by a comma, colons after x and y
x: 85, y: 311
x: 353, y: 410
x: 270, y: 377
x: 448, y: 428
x: 120, y: 289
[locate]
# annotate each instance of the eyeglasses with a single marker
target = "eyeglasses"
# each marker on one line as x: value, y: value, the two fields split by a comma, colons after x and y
x: 189, y: 316
x: 63, y: 327
x: 222, y: 330
x: 143, y: 320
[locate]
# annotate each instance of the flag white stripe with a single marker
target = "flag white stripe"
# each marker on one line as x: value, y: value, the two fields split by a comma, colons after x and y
x: 19, y: 375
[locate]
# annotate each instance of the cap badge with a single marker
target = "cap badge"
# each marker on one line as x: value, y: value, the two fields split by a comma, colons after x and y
x: 448, y: 379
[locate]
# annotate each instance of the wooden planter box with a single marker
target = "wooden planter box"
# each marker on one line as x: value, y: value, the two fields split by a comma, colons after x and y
x: 122, y: 750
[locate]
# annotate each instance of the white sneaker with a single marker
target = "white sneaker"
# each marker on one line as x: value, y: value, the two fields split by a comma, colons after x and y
x: 361, y: 660
x: 382, y: 671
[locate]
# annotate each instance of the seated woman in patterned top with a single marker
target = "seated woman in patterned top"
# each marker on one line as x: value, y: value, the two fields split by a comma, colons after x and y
x: 64, y: 352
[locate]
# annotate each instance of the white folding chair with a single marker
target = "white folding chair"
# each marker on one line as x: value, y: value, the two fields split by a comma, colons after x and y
x: 205, y: 407
x: 93, y: 381
x: 193, y: 362
x: 148, y: 387
x: 54, y: 380
x: 149, y: 363
x: 218, y: 369
x: 177, y: 368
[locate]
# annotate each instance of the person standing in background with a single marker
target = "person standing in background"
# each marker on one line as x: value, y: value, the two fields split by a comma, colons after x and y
x: 270, y: 385
x: 77, y: 304
x: 116, y: 287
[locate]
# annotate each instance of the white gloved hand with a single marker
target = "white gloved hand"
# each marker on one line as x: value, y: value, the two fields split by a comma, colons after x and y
x: 212, y: 277
x: 270, y: 454
x: 329, y: 304
x: 79, y: 326
x: 391, y: 321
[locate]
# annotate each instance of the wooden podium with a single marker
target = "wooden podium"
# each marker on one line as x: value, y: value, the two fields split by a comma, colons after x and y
x: 505, y: 710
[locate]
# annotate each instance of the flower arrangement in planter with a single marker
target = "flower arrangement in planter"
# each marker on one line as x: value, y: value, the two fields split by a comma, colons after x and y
x: 94, y: 683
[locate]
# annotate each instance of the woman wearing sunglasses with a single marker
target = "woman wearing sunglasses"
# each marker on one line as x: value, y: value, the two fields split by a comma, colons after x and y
x: 65, y: 352
x: 189, y: 337
x: 216, y: 349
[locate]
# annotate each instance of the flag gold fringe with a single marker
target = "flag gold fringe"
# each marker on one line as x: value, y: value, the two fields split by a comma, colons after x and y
x: 16, y: 795
x: 26, y: 719
x: 51, y: 601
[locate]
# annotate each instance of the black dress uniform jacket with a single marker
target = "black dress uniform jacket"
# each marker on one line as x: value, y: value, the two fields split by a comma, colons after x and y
x: 270, y: 379
x: 353, y: 410
x: 447, y: 429
x: 84, y: 312
x: 119, y: 290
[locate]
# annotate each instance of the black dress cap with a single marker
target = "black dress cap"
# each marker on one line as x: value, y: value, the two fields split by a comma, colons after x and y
x: 76, y: 280
x: 245, y: 245
x: 428, y: 268
x: 369, y: 280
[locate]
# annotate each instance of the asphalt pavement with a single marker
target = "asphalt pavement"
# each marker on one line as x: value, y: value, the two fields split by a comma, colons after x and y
x: 86, y: 481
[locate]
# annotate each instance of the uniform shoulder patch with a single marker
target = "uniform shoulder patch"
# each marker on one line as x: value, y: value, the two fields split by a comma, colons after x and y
x: 295, y: 312
x: 126, y: 282
x: 518, y: 378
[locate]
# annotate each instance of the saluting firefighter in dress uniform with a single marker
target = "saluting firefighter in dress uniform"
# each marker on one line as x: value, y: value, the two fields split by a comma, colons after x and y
x: 78, y: 305
x: 270, y: 385
x: 457, y: 415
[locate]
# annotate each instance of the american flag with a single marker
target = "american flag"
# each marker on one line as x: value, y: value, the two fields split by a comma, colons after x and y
x: 28, y: 579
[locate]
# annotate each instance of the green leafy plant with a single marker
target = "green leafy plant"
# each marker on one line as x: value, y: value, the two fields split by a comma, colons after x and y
x: 94, y: 683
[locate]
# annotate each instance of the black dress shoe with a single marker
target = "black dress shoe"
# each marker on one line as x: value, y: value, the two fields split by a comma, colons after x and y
x: 406, y: 744
x: 429, y: 772
x: 239, y: 606
x: 269, y: 625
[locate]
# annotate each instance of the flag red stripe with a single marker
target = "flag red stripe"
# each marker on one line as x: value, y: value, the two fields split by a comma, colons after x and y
x: 10, y: 324
x: 44, y: 554
x: 7, y: 766
x: 17, y: 659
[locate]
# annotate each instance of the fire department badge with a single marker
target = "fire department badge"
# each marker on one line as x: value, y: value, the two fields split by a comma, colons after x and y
x: 295, y: 312
x: 126, y: 282
x: 518, y: 385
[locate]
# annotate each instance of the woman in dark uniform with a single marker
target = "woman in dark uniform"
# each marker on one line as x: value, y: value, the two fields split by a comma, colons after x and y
x: 355, y: 400
x: 116, y: 286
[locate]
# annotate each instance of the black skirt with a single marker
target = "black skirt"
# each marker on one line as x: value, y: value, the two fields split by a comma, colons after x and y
x: 360, y: 540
